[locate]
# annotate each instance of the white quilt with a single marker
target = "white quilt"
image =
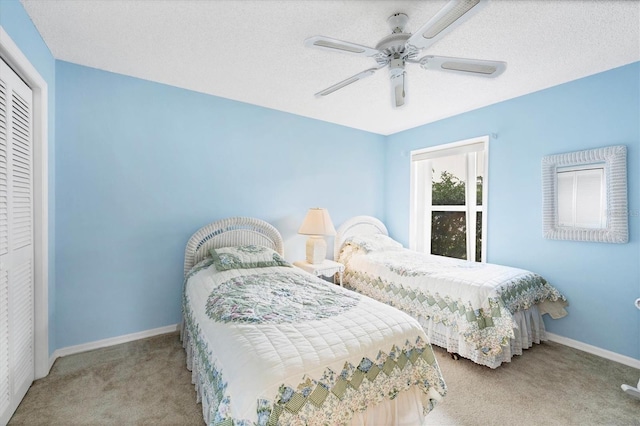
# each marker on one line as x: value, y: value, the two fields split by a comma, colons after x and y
x: 276, y: 345
x: 476, y: 299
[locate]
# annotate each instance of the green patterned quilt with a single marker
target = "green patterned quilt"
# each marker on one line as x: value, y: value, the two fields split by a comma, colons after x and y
x: 474, y: 299
x: 276, y: 345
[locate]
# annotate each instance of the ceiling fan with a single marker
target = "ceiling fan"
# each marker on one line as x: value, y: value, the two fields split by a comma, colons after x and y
x: 400, y: 48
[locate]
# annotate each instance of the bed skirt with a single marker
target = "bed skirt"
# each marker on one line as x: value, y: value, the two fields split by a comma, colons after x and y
x: 203, y: 386
x: 530, y: 329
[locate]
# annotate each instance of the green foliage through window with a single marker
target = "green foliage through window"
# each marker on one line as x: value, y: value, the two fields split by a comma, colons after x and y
x: 448, y: 192
x: 449, y: 228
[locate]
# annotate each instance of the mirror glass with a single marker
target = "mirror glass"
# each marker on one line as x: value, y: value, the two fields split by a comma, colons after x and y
x: 585, y: 195
x: 581, y: 196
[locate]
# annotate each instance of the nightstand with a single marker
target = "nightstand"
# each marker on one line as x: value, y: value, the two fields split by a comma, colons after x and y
x: 328, y: 268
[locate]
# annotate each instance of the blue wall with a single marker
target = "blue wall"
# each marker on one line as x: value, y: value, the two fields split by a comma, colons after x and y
x: 141, y: 166
x: 600, y: 280
x: 18, y: 25
x: 135, y: 167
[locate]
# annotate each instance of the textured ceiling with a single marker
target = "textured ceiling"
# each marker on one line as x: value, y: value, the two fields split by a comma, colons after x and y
x: 252, y: 50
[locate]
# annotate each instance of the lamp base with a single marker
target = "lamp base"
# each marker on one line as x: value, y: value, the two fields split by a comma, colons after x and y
x: 316, y: 249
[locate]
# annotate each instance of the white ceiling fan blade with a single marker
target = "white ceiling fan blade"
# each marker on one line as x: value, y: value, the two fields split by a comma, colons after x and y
x: 398, y: 92
x: 335, y: 45
x: 478, y: 67
x: 449, y: 17
x: 346, y: 82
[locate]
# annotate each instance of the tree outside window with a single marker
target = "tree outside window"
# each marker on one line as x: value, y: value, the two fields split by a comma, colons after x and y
x: 448, y: 229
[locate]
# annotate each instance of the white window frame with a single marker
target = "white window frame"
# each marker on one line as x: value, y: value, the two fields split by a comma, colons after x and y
x: 421, y: 204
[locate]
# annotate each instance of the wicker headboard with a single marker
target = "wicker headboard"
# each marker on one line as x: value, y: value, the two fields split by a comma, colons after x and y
x: 358, y: 225
x: 233, y: 231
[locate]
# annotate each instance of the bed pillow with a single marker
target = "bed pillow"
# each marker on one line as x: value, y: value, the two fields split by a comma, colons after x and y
x: 243, y: 257
x: 373, y: 242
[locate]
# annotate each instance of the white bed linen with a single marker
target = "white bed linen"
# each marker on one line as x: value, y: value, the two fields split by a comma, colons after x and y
x: 395, y: 275
x: 252, y: 362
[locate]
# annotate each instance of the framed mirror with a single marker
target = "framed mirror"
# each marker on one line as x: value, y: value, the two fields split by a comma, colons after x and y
x: 585, y: 195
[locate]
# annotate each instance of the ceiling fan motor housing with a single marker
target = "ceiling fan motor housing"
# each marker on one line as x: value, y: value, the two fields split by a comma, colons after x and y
x: 397, y: 21
x: 395, y: 44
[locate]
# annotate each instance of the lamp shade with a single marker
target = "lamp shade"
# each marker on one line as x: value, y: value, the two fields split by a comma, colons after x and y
x: 317, y: 222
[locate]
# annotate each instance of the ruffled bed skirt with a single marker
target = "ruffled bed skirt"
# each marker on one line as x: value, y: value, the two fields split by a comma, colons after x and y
x: 530, y: 329
x: 198, y: 374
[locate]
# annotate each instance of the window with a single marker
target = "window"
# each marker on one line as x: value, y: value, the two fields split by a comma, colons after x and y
x: 449, y: 198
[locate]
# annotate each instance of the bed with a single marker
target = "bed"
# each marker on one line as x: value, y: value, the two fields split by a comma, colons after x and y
x: 270, y: 344
x: 484, y: 312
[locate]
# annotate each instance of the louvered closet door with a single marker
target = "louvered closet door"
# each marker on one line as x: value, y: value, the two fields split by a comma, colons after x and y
x: 16, y: 242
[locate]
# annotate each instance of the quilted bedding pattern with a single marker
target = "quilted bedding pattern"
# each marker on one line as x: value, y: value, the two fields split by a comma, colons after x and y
x: 476, y: 300
x: 276, y: 345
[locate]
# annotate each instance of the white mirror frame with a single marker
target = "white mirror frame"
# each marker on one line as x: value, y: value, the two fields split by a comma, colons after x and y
x: 614, y: 159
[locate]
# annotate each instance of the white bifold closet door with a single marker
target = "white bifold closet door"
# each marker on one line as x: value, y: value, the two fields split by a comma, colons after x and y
x: 16, y: 242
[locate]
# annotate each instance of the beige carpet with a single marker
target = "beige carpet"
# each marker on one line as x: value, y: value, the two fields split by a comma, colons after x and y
x: 146, y: 382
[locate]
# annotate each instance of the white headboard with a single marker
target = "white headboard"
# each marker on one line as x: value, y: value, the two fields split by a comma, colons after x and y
x: 233, y: 231
x: 358, y: 225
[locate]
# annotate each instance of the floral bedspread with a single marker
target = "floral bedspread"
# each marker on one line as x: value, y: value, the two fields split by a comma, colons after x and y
x: 275, y: 345
x: 475, y: 299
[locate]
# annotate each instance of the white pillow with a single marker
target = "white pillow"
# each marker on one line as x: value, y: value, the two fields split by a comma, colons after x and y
x: 373, y: 242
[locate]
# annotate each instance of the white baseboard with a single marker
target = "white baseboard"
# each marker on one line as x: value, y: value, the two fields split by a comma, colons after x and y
x: 603, y: 353
x: 70, y: 350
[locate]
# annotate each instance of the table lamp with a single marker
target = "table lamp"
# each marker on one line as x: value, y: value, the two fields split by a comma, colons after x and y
x: 316, y: 225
